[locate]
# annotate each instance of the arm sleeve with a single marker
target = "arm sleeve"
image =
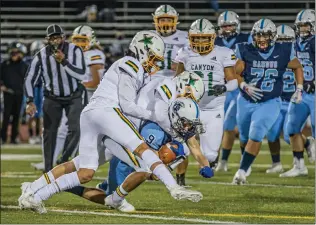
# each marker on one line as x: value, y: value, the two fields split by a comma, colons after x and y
x: 127, y: 97
x: 78, y: 69
x: 32, y: 75
x: 95, y: 58
x: 229, y: 58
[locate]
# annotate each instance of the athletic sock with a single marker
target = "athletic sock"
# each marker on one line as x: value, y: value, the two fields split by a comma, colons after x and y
x: 307, y: 143
x: 298, y: 155
x: 161, y: 170
x: 246, y: 161
x: 78, y: 190
x: 119, y: 194
x: 276, y: 158
x: 62, y: 183
x: 225, y: 153
x: 45, y: 179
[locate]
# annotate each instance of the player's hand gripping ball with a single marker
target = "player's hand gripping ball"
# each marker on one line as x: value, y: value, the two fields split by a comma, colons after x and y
x: 169, y: 152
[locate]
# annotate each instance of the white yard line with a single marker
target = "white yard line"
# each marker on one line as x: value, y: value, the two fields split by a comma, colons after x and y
x: 15, y: 175
x: 21, y: 157
x: 20, y: 146
x: 141, y: 216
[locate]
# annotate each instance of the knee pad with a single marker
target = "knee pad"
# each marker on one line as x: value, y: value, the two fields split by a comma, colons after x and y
x: 257, y: 133
x: 150, y: 158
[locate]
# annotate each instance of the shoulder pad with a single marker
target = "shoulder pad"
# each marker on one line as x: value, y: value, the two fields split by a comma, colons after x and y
x: 167, y: 90
x: 94, y: 57
x: 131, y: 66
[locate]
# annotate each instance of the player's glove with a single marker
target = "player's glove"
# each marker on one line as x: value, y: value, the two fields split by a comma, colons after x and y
x: 206, y: 172
x: 253, y: 92
x: 297, y: 96
x: 179, y: 150
x: 219, y: 89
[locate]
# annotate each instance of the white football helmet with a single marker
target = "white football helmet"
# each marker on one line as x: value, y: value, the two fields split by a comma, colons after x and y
x: 36, y: 46
x: 163, y: 27
x: 148, y: 48
x: 84, y: 37
x: 228, y: 18
x: 264, y: 34
x: 285, y: 33
x: 189, y: 84
x: 184, y: 116
x: 303, y: 18
x: 202, y: 35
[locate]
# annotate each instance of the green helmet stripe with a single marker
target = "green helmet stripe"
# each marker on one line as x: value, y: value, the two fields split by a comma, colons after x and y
x: 165, y: 8
x: 201, y: 22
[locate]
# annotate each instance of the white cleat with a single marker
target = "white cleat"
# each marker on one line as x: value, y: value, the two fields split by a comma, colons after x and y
x: 240, y: 177
x: 38, y: 166
x: 179, y: 193
x: 30, y: 203
x: 26, y: 192
x: 299, y: 169
x: 222, y: 166
x: 248, y: 171
x: 275, y: 168
x: 122, y: 206
x: 311, y: 149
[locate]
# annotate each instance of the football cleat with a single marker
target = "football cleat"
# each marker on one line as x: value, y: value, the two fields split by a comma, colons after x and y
x: 102, y: 186
x: 299, y: 169
x: 179, y: 193
x: 275, y: 168
x: 30, y: 203
x: 26, y: 192
x: 311, y: 150
x: 248, y: 172
x: 222, y: 166
x: 122, y: 206
x: 240, y: 177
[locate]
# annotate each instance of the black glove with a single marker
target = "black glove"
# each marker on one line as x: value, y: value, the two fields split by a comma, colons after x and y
x: 219, y: 89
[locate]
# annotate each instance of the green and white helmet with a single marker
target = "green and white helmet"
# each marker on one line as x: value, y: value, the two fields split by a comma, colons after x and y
x: 306, y: 16
x: 191, y: 85
x: 228, y: 18
x: 165, y: 28
x: 285, y: 33
x: 148, y: 48
x: 202, y: 35
x: 84, y: 37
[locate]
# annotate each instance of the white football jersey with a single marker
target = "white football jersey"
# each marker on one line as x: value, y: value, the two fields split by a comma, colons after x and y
x: 93, y: 56
x: 172, y: 44
x: 210, y: 68
x: 156, y: 96
x: 106, y: 94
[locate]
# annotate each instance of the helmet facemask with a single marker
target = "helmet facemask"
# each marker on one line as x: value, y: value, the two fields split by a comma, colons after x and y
x: 228, y: 30
x: 81, y: 41
x: 166, y: 24
x: 202, y: 43
x: 152, y: 62
x: 263, y: 40
x: 304, y: 30
x: 285, y: 39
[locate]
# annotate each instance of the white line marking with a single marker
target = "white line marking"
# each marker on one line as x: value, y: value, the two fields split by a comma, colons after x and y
x: 126, y: 215
x: 259, y: 165
x: 189, y: 181
x: 21, y: 157
x: 20, y: 146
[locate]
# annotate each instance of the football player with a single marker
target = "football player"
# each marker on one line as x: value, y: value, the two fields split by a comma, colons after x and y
x: 298, y: 113
x: 284, y: 34
x: 166, y: 21
x: 229, y: 35
x: 214, y: 64
x: 114, y: 98
x: 261, y: 65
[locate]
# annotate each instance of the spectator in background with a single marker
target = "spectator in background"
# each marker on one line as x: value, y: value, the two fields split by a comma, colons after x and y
x: 215, y: 6
x: 92, y: 14
x: 115, y: 50
x: 12, y: 77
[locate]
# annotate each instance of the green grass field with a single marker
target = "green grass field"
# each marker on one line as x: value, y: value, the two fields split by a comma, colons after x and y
x: 266, y: 199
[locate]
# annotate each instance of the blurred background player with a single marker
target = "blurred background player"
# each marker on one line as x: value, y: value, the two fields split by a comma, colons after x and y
x: 12, y: 76
x: 166, y: 21
x: 298, y: 113
x: 261, y: 65
x: 229, y: 35
x: 284, y: 34
x: 214, y: 64
x: 35, y: 122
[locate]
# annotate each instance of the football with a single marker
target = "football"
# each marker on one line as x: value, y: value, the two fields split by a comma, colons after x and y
x: 166, y: 154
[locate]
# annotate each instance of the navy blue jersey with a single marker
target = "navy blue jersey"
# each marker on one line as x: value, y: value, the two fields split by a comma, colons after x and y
x: 265, y: 70
x: 305, y: 51
x: 289, y: 85
x: 231, y: 43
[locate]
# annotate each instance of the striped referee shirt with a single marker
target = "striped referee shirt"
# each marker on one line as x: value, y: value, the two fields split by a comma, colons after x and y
x: 60, y: 79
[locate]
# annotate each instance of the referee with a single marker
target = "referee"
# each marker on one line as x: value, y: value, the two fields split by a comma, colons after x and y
x: 61, y: 66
